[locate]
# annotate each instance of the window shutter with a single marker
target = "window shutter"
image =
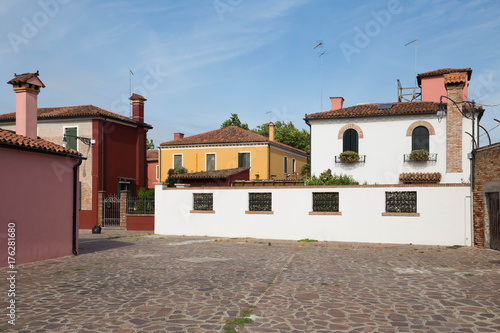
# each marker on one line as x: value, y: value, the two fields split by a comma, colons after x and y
x: 70, y: 133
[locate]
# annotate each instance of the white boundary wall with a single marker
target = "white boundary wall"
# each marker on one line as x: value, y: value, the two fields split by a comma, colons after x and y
x: 445, y: 215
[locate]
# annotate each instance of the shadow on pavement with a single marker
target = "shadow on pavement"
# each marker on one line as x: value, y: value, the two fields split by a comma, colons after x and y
x: 88, y: 246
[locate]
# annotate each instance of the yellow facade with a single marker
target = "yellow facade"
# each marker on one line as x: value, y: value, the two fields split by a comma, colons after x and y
x: 262, y: 159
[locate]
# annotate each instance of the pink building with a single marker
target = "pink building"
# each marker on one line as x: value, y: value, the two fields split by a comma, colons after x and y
x: 39, y: 198
x: 153, y: 171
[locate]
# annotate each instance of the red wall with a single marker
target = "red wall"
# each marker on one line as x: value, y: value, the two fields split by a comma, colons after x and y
x: 152, y: 174
x: 141, y: 222
x: 124, y: 156
x: 37, y: 195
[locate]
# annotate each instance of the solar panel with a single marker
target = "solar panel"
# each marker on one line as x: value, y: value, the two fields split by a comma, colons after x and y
x: 384, y: 106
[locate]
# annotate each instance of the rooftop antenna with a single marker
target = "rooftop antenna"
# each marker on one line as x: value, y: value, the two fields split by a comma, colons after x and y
x: 130, y: 91
x: 270, y: 115
x: 320, y: 44
x: 414, y: 41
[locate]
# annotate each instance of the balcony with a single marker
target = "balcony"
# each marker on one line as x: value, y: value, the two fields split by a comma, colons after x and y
x: 431, y: 158
x: 362, y: 159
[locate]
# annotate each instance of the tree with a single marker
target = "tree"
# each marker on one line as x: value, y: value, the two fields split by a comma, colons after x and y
x: 234, y: 121
x: 150, y: 144
x: 286, y: 133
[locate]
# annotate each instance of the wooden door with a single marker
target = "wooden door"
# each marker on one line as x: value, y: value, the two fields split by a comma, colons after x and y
x: 494, y: 217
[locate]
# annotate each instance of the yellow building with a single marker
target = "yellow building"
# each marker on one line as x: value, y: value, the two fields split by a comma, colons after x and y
x: 232, y: 147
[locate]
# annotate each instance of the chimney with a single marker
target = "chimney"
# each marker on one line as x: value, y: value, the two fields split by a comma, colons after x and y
x: 138, y: 108
x: 454, y: 83
x: 337, y: 102
x: 271, y: 131
x: 27, y: 87
x: 178, y: 136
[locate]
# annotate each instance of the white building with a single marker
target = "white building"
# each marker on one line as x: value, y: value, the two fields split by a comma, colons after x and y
x: 384, y: 134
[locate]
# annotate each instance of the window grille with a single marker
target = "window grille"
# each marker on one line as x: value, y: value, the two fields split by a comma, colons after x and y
x: 325, y: 201
x: 203, y: 201
x: 260, y: 202
x: 401, y: 202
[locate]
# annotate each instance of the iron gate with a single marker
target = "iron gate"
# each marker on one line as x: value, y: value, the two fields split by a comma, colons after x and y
x: 111, y: 211
x: 494, y: 217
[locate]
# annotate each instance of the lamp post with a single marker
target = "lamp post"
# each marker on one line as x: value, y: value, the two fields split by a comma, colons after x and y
x: 86, y: 141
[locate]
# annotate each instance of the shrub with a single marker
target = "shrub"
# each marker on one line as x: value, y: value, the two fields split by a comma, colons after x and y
x: 326, y: 178
x: 419, y: 155
x: 349, y: 156
x: 177, y: 171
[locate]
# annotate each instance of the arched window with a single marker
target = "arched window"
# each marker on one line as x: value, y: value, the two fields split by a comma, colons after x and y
x: 420, y: 138
x: 350, y: 140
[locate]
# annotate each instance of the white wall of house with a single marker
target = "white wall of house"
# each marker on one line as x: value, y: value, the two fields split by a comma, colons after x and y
x: 444, y: 215
x: 384, y: 143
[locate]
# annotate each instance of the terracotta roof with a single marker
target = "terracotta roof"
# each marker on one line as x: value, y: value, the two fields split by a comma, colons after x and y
x: 21, y: 78
x: 443, y: 71
x: 75, y: 112
x: 12, y: 140
x: 420, y: 177
x: 455, y: 78
x: 152, y: 155
x: 137, y: 96
x: 372, y: 110
x: 210, y: 174
x: 231, y: 134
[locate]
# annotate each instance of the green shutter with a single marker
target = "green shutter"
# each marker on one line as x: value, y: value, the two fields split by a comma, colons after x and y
x: 70, y: 133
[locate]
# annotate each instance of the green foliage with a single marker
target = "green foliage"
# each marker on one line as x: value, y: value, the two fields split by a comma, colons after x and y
x: 326, y: 178
x: 419, y: 155
x: 146, y: 193
x: 307, y: 240
x: 286, y: 133
x: 306, y: 170
x: 349, y: 156
x: 234, y: 121
x: 179, y: 170
x: 454, y: 247
x: 150, y: 144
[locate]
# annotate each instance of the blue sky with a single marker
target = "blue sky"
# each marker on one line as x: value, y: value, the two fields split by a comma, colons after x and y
x: 199, y: 61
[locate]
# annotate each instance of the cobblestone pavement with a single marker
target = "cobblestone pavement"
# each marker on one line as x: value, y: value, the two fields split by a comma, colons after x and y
x: 150, y: 283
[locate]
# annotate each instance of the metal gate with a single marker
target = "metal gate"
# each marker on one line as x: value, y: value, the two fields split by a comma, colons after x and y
x: 111, y: 211
x: 494, y: 217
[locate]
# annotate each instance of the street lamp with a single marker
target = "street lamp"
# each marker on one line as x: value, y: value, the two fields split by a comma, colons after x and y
x: 86, y: 141
x: 441, y: 113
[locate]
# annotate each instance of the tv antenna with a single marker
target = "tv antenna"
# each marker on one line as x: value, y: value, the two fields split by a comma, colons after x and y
x: 130, y: 91
x: 414, y: 41
x: 321, y: 53
x: 270, y: 115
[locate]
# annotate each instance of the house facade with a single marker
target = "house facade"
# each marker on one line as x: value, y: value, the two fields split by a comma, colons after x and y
x: 153, y: 168
x: 229, y: 148
x: 114, y: 147
x: 385, y: 134
x: 39, y: 199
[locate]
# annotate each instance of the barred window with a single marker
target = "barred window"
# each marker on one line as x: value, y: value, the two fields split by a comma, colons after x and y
x: 260, y: 202
x: 325, y: 201
x: 203, y: 201
x: 401, y: 202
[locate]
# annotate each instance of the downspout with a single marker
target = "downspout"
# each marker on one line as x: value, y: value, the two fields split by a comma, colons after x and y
x: 268, y: 161
x: 310, y: 145
x: 102, y: 154
x: 75, y: 195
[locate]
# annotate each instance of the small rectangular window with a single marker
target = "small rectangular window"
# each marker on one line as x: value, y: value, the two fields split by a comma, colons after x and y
x: 203, y: 201
x: 260, y: 202
x: 294, y: 166
x: 243, y: 160
x: 285, y: 165
x: 325, y: 201
x: 209, y: 162
x: 70, y: 134
x: 177, y: 161
x: 401, y: 202
x: 157, y: 171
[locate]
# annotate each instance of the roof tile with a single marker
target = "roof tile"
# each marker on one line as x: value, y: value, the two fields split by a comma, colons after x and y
x: 9, y: 138
x: 420, y: 177
x: 152, y: 155
x: 371, y: 110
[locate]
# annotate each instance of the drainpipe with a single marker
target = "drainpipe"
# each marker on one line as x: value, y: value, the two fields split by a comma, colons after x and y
x: 102, y: 154
x: 310, y: 145
x: 75, y: 194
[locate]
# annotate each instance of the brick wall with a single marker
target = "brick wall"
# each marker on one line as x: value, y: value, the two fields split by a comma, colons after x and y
x: 454, y: 128
x: 486, y: 173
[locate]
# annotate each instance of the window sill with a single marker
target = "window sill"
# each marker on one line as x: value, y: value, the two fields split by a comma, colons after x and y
x: 400, y: 214
x: 325, y: 213
x: 202, y: 211
x: 259, y: 212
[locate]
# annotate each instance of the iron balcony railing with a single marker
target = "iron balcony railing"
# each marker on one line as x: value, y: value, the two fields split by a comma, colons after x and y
x: 432, y: 157
x: 362, y: 159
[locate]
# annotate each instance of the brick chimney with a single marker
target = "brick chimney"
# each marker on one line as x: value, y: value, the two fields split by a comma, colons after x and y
x: 27, y: 87
x: 454, y: 83
x: 271, y: 131
x: 138, y: 107
x: 337, y: 102
x: 178, y: 136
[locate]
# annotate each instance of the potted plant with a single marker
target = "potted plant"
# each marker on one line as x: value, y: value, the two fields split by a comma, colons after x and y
x: 419, y: 155
x: 349, y: 156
